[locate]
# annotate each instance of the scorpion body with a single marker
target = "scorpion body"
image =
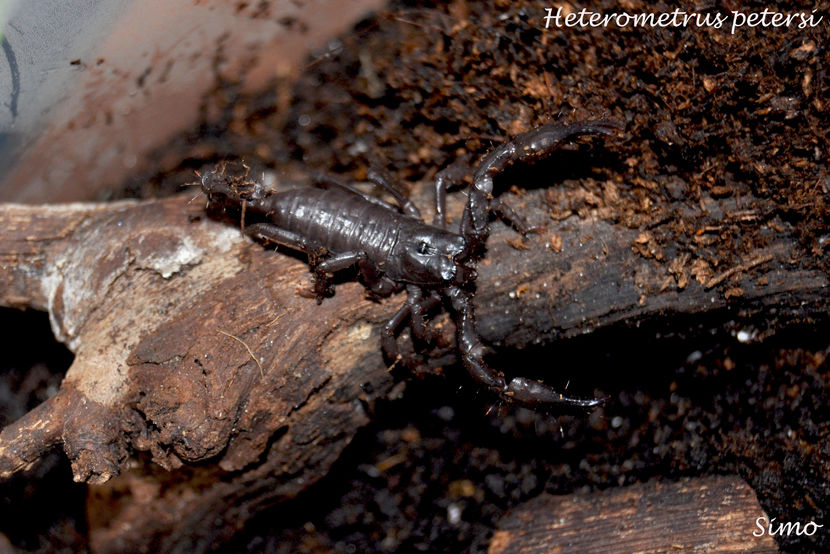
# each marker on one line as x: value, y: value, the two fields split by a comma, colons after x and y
x: 339, y: 226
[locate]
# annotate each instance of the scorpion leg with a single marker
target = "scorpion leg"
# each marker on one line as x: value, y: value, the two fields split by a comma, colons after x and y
x: 333, y: 264
x: 521, y: 390
x: 528, y: 146
x: 378, y: 284
x: 508, y: 215
x: 444, y: 179
x: 415, y: 298
x: 327, y: 181
x: 388, y: 340
x: 419, y: 305
x: 322, y: 283
x: 381, y: 179
x: 414, y: 307
x: 271, y: 232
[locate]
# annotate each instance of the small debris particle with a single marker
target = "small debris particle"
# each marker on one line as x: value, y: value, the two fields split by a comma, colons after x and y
x: 646, y: 246
x: 555, y: 243
x: 410, y: 434
x: 744, y: 336
x: 701, y: 271
x: 678, y: 267
x: 733, y: 292
x: 454, y: 513
x: 390, y: 462
x: 709, y: 84
x: 518, y: 243
x: 462, y: 488
x: 735, y: 270
x: 446, y: 413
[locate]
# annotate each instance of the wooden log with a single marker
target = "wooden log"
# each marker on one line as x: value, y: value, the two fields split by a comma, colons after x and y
x: 193, y: 346
x: 705, y: 514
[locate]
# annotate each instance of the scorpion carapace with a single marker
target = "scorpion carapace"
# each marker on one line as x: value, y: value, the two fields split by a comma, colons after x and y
x: 339, y: 226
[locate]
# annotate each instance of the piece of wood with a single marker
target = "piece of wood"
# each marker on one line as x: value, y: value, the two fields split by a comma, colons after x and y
x: 163, y: 308
x: 147, y: 296
x: 705, y: 514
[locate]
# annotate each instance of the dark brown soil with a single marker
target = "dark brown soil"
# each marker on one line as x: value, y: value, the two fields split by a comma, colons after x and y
x: 707, y: 114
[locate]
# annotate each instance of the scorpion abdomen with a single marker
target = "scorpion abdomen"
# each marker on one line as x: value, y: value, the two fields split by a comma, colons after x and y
x: 337, y: 219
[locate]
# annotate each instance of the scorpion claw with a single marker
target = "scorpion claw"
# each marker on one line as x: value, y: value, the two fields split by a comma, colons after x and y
x: 533, y: 394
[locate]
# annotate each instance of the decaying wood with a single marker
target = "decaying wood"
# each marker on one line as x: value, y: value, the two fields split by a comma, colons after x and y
x: 706, y: 514
x: 192, y: 345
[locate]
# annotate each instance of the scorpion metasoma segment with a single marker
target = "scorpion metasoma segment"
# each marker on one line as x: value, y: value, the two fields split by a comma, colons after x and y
x: 339, y: 226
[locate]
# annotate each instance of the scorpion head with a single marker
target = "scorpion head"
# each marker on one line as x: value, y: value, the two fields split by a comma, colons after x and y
x: 434, y: 256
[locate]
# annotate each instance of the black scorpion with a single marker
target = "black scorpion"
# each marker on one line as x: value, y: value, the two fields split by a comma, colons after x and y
x: 339, y: 226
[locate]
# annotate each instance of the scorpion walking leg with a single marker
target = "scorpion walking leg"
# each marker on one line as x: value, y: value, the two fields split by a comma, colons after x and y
x: 381, y: 179
x: 414, y: 307
x: 327, y: 181
x: 444, y: 179
x: 378, y: 284
x: 388, y: 341
x: 419, y: 306
x: 280, y: 236
x: 521, y: 390
x: 322, y: 283
x: 508, y: 215
x: 333, y: 264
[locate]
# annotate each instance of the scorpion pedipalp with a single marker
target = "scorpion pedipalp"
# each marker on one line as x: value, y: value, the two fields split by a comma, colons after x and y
x: 519, y: 390
x: 526, y: 147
